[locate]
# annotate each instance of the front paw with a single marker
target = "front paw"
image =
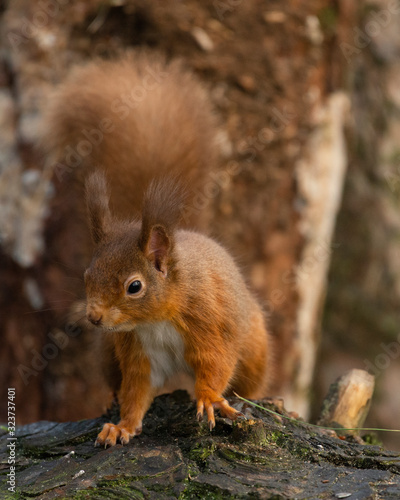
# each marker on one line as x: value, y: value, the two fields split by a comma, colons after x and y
x: 112, y: 433
x: 209, y: 402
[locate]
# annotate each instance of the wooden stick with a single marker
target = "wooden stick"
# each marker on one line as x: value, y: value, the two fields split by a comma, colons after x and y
x: 348, y: 401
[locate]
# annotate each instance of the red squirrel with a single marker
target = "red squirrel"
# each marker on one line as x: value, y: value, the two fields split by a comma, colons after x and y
x: 169, y: 303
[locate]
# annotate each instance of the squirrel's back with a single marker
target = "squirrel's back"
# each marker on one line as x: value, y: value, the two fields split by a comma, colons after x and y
x: 138, y: 117
x: 207, y: 269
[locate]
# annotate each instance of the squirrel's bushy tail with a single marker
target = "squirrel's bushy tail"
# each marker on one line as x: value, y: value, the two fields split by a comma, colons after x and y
x: 137, y: 117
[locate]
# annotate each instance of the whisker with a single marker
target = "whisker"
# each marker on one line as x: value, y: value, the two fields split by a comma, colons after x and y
x: 41, y: 310
x: 68, y: 291
x: 75, y: 278
x: 62, y: 264
x: 78, y: 321
x: 58, y: 301
x: 54, y: 307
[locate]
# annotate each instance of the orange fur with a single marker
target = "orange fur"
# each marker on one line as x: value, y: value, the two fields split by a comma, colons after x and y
x: 136, y: 118
x: 193, y: 289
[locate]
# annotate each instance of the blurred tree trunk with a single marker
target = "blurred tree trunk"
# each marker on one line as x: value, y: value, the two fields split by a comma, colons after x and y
x: 274, y: 76
x: 364, y: 283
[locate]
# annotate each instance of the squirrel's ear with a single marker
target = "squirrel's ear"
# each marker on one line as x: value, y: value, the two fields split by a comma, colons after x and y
x: 97, y: 198
x: 162, y: 208
x: 157, y: 248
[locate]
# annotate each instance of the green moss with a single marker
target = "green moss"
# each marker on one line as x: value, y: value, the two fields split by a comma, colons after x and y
x: 42, y: 453
x: 372, y: 439
x: 291, y: 443
x: 251, y: 432
x: 114, y: 489
x: 275, y: 437
x: 8, y: 495
x: 205, y: 492
x: 234, y: 455
x: 201, y: 452
x: 83, y: 439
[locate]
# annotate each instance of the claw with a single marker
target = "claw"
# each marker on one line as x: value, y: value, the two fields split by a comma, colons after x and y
x: 211, y: 401
x: 200, y: 410
x: 111, y: 434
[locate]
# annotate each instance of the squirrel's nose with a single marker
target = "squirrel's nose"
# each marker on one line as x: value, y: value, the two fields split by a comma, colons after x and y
x: 94, y: 318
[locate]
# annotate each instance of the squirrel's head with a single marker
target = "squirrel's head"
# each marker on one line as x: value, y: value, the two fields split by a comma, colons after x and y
x: 129, y: 279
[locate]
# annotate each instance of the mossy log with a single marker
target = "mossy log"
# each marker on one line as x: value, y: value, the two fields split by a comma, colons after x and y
x: 264, y: 456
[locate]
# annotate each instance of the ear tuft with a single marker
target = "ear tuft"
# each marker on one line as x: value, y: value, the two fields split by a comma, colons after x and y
x: 163, y: 206
x: 97, y: 199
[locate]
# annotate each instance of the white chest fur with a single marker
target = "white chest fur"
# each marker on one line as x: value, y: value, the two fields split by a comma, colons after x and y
x: 164, y: 347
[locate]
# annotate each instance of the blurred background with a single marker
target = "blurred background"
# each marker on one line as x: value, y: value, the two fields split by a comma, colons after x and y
x: 306, y: 195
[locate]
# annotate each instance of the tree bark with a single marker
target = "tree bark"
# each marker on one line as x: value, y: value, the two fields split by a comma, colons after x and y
x: 264, y: 456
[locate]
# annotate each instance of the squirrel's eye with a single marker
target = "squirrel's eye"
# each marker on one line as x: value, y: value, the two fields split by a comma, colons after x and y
x: 134, y: 287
